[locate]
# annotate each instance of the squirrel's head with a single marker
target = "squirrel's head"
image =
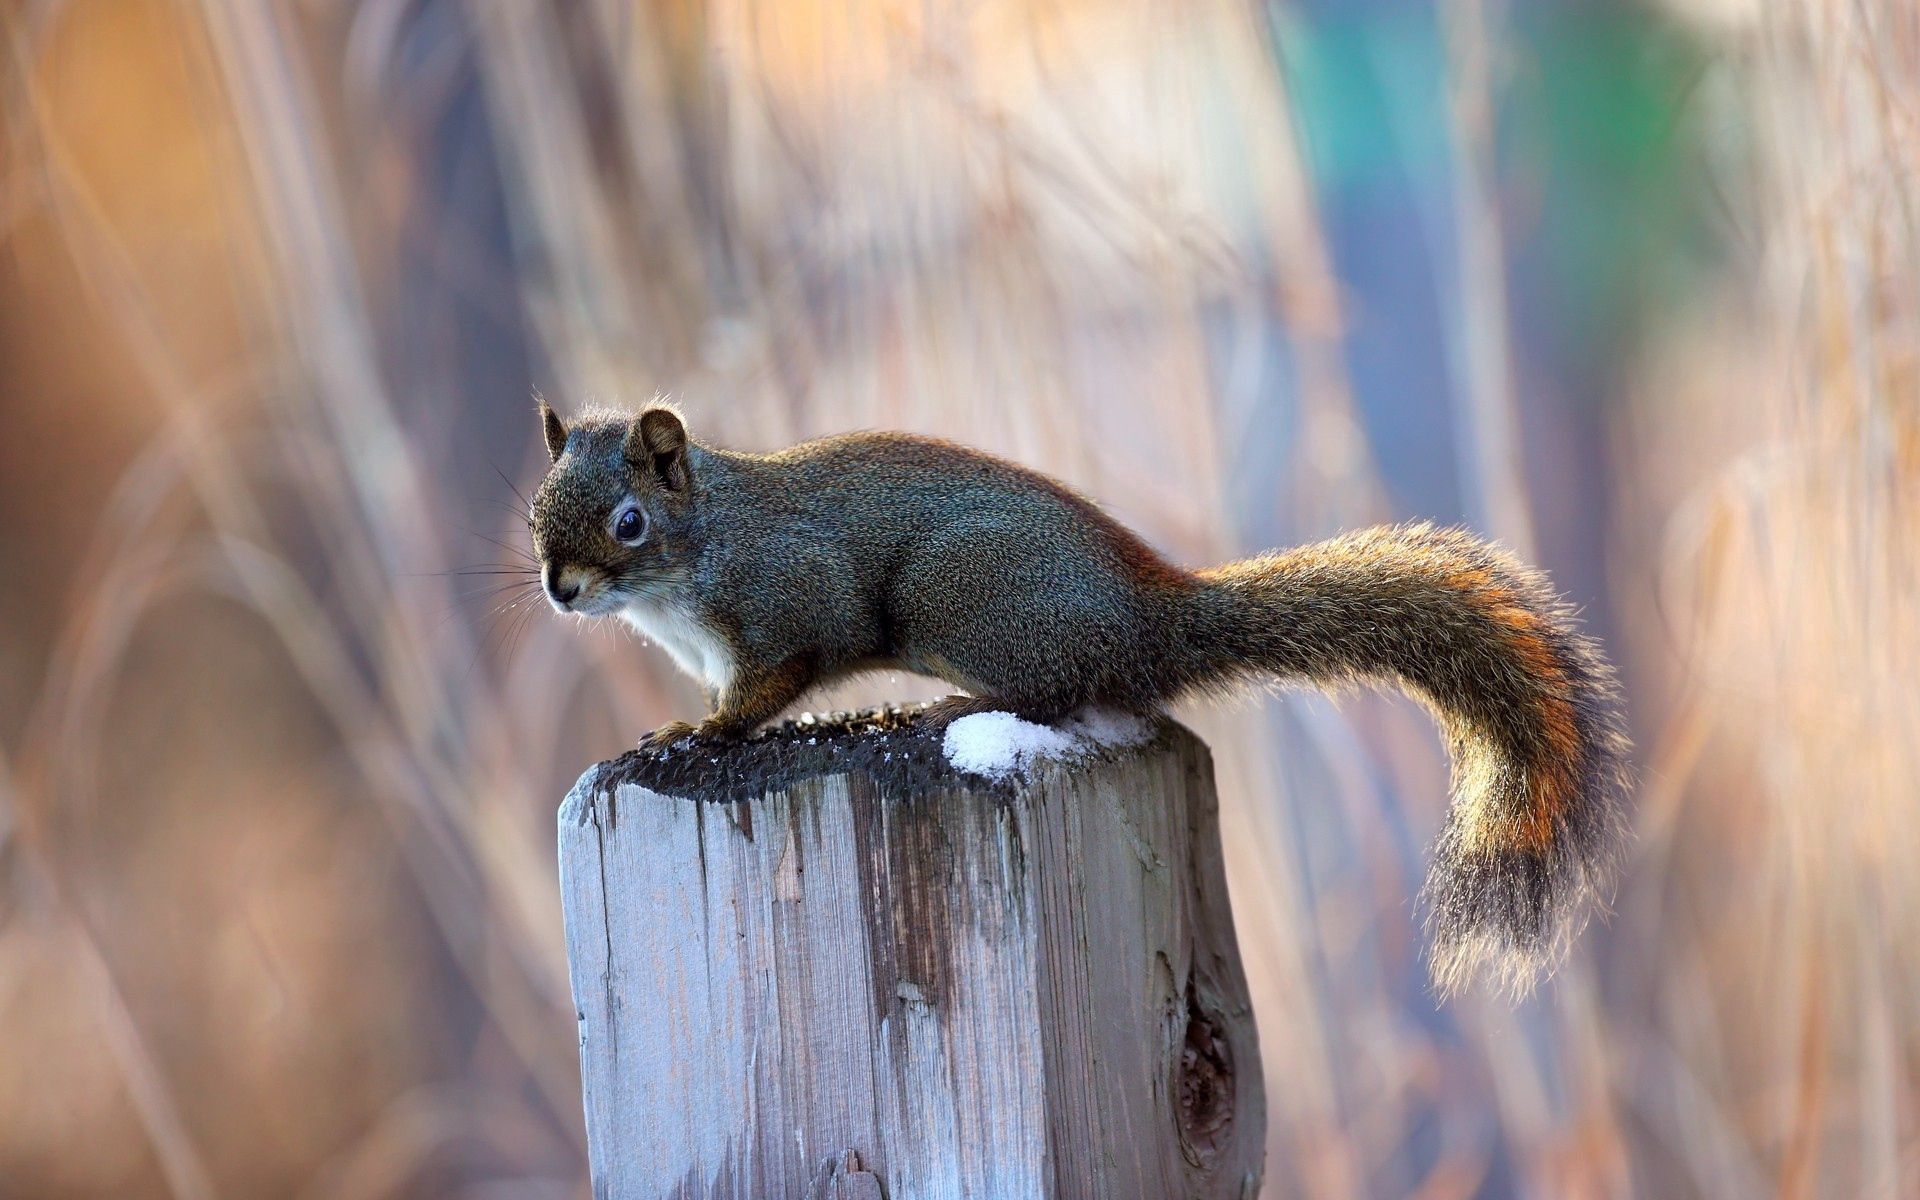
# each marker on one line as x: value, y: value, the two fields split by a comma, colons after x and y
x: 610, y: 520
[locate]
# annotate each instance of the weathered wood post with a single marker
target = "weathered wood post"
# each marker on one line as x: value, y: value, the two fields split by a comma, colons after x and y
x: 829, y: 963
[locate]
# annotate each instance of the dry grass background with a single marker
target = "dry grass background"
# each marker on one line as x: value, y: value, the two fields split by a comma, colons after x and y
x: 277, y: 907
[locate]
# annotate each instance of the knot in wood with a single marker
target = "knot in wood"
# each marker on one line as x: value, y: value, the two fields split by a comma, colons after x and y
x: 1205, y: 1088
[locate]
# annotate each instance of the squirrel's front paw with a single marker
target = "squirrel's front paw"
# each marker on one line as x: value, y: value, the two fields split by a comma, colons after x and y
x: 668, y: 735
x: 714, y: 730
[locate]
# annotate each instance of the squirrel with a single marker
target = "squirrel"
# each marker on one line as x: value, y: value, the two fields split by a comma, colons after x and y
x: 765, y: 575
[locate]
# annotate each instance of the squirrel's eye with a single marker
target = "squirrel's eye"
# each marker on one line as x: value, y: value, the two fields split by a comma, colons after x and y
x: 628, y: 527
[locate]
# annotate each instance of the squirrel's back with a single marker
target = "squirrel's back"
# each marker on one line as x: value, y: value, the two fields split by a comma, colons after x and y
x: 904, y: 484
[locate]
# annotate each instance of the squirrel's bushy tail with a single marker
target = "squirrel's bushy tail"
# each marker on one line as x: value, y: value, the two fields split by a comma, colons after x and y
x: 1529, y: 707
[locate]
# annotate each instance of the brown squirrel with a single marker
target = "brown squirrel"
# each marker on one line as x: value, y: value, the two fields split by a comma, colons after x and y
x: 765, y: 575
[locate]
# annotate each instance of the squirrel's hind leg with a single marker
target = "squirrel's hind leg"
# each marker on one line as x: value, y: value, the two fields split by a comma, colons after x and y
x: 942, y: 713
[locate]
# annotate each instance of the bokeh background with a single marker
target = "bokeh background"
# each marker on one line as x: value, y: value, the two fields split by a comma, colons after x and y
x: 1633, y: 287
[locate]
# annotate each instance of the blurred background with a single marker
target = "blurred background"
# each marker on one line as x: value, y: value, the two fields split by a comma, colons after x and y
x: 1631, y: 287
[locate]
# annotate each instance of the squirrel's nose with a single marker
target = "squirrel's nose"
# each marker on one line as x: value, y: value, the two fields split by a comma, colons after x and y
x: 559, y: 593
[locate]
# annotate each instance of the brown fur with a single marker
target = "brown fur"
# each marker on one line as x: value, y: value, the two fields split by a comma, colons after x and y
x: 883, y: 550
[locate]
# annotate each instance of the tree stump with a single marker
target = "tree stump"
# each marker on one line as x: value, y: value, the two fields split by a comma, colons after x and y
x: 828, y: 963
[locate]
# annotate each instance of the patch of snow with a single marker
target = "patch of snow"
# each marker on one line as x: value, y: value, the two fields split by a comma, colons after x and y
x: 997, y: 744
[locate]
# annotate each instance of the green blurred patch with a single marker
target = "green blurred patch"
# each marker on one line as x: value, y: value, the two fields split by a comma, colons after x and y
x: 1600, y: 169
x: 1595, y: 124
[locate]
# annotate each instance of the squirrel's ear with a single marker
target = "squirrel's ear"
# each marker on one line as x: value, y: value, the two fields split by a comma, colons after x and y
x: 555, y: 432
x: 657, y: 442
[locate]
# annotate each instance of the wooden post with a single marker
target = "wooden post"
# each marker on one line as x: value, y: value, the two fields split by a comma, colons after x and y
x: 827, y: 964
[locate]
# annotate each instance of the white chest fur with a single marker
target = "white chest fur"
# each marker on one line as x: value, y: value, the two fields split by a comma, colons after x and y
x: 672, y: 626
